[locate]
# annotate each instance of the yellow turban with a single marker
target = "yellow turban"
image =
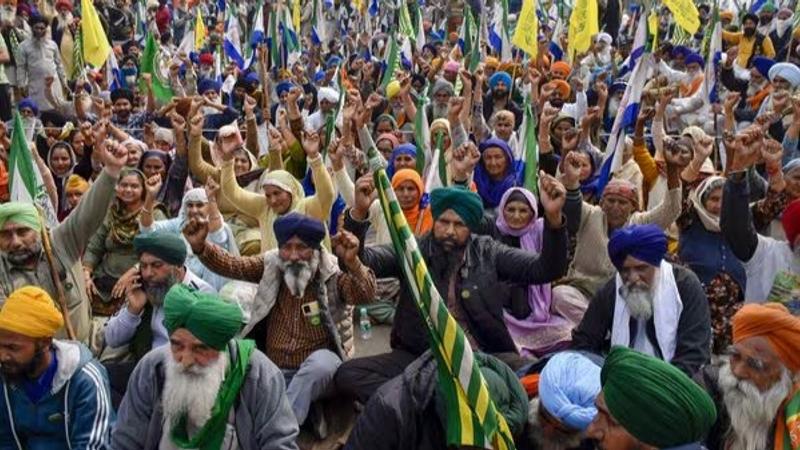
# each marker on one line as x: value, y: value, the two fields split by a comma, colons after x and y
x: 76, y: 183
x: 30, y: 311
x: 392, y: 89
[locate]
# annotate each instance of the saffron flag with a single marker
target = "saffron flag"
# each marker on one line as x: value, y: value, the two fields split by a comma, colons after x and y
x: 474, y: 421
x: 94, y: 41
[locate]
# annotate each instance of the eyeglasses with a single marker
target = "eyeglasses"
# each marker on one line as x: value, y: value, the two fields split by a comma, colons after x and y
x: 753, y: 363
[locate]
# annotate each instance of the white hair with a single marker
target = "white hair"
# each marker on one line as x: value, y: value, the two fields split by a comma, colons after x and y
x: 191, y: 391
x: 751, y: 411
x: 297, y: 275
x: 639, y: 301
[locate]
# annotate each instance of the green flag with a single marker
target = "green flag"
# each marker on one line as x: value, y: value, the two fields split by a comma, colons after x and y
x: 25, y: 182
x: 530, y: 150
x: 472, y: 419
x: 150, y: 64
x: 405, y: 25
x: 391, y: 62
x: 422, y: 135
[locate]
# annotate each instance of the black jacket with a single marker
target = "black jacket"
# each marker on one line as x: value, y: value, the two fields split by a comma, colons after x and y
x: 693, y: 347
x: 488, y: 262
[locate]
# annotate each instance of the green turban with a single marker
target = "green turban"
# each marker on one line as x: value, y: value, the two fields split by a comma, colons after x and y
x: 655, y: 402
x: 465, y: 203
x: 24, y: 214
x: 208, y: 317
x: 169, y: 247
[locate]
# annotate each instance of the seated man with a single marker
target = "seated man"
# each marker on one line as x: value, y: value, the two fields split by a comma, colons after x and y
x: 647, y: 404
x: 407, y: 413
x: 56, y: 394
x: 652, y: 306
x: 207, y: 389
x: 465, y: 268
x: 568, y: 385
x: 161, y: 265
x: 754, y: 384
x: 302, y: 313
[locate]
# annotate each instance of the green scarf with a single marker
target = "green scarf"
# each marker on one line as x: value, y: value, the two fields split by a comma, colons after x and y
x: 213, y: 432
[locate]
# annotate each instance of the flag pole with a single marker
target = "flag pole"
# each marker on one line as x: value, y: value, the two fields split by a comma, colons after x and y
x: 60, y: 296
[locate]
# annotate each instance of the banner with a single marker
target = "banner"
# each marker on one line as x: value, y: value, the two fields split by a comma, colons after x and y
x: 685, y: 14
x: 526, y: 35
x: 582, y: 26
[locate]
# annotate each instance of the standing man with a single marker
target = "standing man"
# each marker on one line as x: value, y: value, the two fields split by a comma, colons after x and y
x: 55, y: 395
x: 206, y: 390
x: 39, y: 58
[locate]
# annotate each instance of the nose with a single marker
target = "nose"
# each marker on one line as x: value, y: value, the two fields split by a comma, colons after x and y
x: 185, y: 359
x: 738, y: 370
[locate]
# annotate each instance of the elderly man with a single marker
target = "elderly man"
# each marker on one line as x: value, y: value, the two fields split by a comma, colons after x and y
x: 328, y: 99
x: 647, y: 404
x: 407, y: 413
x: 442, y: 91
x: 301, y: 313
x: 56, y: 394
x: 591, y: 224
x: 568, y: 385
x: 37, y: 59
x: 754, y: 384
x: 206, y: 389
x: 652, y: 306
x: 22, y: 259
x: 161, y: 265
x: 465, y: 268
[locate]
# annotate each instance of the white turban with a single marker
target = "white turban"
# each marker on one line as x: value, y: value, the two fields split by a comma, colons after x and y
x: 787, y: 71
x: 605, y: 37
x: 329, y: 94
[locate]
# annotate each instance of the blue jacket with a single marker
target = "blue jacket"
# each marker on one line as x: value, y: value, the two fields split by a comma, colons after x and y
x: 75, y: 415
x: 707, y: 254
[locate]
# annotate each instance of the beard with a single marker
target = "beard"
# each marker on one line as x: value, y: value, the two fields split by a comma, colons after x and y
x: 639, y: 300
x: 157, y: 290
x: 446, y: 255
x: 553, y: 441
x: 753, y: 88
x: 500, y: 94
x: 439, y: 111
x: 749, y: 32
x: 23, y: 256
x: 16, y: 373
x: 297, y: 275
x: 191, y: 391
x: 751, y: 411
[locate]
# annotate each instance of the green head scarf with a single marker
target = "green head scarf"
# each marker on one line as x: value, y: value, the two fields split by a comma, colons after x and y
x: 208, y: 317
x: 465, y: 203
x: 655, y: 402
x: 164, y: 245
x: 24, y: 214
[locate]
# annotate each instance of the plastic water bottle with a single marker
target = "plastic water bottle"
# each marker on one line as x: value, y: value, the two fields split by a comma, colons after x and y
x: 364, y: 324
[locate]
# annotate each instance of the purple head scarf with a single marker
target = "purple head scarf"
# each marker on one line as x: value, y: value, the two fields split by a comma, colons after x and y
x: 492, y: 191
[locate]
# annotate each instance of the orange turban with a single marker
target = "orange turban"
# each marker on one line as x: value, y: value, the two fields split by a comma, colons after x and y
x: 30, y: 311
x: 562, y: 87
x: 726, y: 15
x: 492, y: 62
x: 775, y: 323
x: 76, y: 183
x: 561, y: 69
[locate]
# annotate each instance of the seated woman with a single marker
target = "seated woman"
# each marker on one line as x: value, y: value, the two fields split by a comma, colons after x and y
x: 537, y: 326
x: 495, y: 172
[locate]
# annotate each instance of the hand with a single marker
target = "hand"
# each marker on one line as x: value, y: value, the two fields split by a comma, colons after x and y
x: 152, y: 185
x: 731, y: 100
x: 405, y: 87
x: 148, y: 80
x: 365, y: 195
x: 374, y: 100
x: 99, y: 132
x: 731, y: 55
x: 121, y: 287
x: 549, y: 113
x: 455, y: 106
x: 135, y: 296
x: 547, y: 90
x: 666, y: 98
x: 249, y: 105
x: 591, y: 117
x: 114, y: 158
x: 534, y: 76
x: 601, y: 88
x: 571, y: 171
x: 578, y: 83
x: 293, y: 94
x: 178, y: 122
x: 345, y: 247
x: 195, y: 232
x: 91, y: 289
x: 212, y: 189
x: 704, y: 148
x: 772, y: 153
x: 311, y: 144
x: 553, y: 196
x: 465, y: 158
x: 196, y: 124
x: 336, y: 154
x: 569, y: 140
x: 276, y: 142
x: 466, y: 78
x: 646, y: 114
x: 743, y: 148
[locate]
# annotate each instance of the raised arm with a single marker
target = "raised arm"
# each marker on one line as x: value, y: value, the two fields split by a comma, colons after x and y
x: 245, y: 268
x: 198, y: 166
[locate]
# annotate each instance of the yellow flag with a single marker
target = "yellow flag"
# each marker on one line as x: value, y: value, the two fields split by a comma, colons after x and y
x: 200, y: 31
x: 96, y: 48
x: 652, y: 25
x: 685, y: 13
x: 526, y: 35
x: 582, y: 26
x: 296, y: 16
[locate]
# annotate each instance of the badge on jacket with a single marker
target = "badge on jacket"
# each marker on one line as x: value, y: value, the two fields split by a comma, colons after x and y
x: 311, y: 311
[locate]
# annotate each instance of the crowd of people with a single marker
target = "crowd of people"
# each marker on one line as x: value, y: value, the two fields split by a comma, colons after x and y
x: 218, y: 235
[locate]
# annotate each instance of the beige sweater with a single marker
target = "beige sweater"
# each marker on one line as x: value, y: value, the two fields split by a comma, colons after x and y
x: 591, y: 267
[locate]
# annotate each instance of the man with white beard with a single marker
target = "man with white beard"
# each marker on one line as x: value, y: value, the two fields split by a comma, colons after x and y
x: 651, y: 306
x: 754, y: 383
x: 442, y: 91
x: 206, y: 389
x: 302, y: 312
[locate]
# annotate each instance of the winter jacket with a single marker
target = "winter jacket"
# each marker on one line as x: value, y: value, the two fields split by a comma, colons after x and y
x: 487, y: 262
x: 76, y: 414
x: 262, y: 418
x: 409, y: 413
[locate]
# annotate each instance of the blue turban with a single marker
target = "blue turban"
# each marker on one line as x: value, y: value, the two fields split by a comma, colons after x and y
x: 283, y: 86
x: 206, y: 85
x: 311, y: 231
x: 28, y: 102
x: 568, y: 386
x: 498, y: 77
x: 464, y: 202
x: 791, y: 165
x: 332, y: 62
x: 693, y: 58
x: 680, y: 50
x: 763, y: 65
x: 319, y: 76
x: 644, y: 242
x: 404, y: 149
x: 787, y: 71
